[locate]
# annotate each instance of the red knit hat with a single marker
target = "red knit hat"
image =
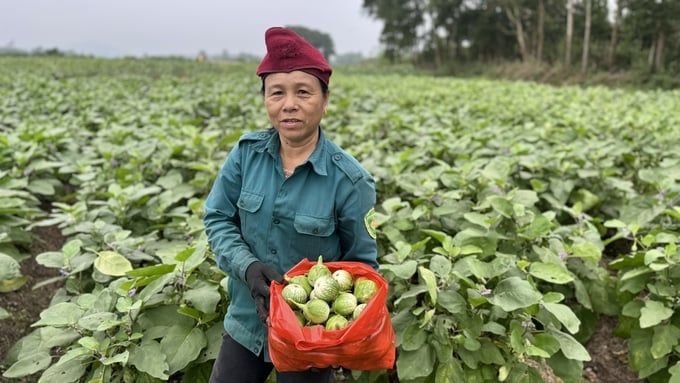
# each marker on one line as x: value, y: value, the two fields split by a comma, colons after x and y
x: 287, y: 51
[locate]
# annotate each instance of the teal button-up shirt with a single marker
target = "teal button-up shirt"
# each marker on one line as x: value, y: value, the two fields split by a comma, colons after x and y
x: 253, y: 213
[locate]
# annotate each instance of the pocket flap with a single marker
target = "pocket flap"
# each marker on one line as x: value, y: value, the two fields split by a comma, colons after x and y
x: 249, y: 201
x: 311, y: 225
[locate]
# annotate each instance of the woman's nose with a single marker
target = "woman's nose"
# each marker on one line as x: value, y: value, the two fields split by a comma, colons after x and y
x: 290, y: 103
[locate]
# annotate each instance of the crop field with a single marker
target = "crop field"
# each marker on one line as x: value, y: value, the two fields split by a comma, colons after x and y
x: 513, y: 218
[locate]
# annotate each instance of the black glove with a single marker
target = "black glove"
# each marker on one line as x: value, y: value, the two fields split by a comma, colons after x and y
x: 259, y: 276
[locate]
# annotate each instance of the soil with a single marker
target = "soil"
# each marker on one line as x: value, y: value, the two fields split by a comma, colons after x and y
x: 26, y: 303
x: 608, y: 352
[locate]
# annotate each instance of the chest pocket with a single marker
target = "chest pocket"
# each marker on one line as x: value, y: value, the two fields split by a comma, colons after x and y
x: 250, y: 202
x: 315, y: 226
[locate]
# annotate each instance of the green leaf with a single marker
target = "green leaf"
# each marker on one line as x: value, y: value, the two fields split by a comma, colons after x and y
x: 415, y: 364
x: 654, y: 313
x: 632, y: 308
x: 185, y: 254
x: 586, y: 198
x: 552, y: 297
x: 587, y: 251
x: 63, y: 372
x: 526, y: 198
x: 9, y: 267
x: 471, y: 344
x: 29, y: 364
x: 639, y: 355
x: 430, y: 281
x: 196, y: 373
x: 41, y: 186
x: 413, y: 337
x: 153, y: 270
x: 71, y: 248
x: 665, y: 338
x: 474, y: 241
x: 440, y: 265
x: 494, y: 328
x: 564, y: 314
x: 4, y: 314
x: 182, y: 345
x: 550, y: 272
x: 538, y: 227
x: 62, y: 314
x: 93, y: 321
x: 53, y: 259
x: 121, y: 358
x: 547, y: 343
x: 652, y: 255
x: 143, y: 192
x: 109, y: 324
x: 452, y: 301
x: 89, y: 343
x: 502, y: 206
x: 536, y: 351
x: 479, y: 269
x: 13, y: 284
x: 582, y: 295
x: 675, y: 373
x: 615, y: 223
x: 57, y: 337
x: 403, y: 271
x: 570, y: 347
x: 635, y: 280
x: 450, y: 372
x: 514, y: 293
x: 204, y: 298
x: 478, y: 219
x: 112, y: 263
x: 214, y: 337
x: 571, y: 371
x: 498, y: 169
x: 149, y: 358
x: 490, y: 353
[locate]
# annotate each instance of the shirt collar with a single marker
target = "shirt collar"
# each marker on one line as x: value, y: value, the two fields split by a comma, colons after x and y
x: 273, y: 146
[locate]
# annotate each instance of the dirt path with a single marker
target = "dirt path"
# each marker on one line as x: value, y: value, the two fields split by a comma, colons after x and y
x: 26, y: 303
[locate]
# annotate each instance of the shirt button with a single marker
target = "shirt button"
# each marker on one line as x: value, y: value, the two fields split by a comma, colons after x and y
x: 273, y: 251
x: 337, y: 157
x: 276, y: 221
x: 315, y: 231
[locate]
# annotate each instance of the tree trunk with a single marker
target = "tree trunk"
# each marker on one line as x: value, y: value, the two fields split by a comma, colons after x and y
x: 514, y: 14
x: 615, y: 35
x: 658, y: 57
x: 586, y: 39
x: 570, y: 33
x: 540, y: 28
x: 650, y: 57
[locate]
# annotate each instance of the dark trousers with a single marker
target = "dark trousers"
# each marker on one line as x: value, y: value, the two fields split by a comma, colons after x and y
x: 236, y: 364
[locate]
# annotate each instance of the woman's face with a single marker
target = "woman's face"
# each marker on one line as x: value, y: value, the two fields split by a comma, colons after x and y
x: 295, y: 104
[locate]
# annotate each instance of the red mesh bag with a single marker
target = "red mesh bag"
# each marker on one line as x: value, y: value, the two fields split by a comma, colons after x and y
x: 368, y: 343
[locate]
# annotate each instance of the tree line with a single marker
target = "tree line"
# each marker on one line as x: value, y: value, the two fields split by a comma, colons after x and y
x: 583, y: 35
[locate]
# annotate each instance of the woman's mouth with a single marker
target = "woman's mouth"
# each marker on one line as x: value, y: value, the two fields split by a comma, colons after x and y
x: 291, y: 122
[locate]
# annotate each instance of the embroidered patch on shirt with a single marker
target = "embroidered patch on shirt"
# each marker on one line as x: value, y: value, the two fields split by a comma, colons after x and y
x: 369, y: 220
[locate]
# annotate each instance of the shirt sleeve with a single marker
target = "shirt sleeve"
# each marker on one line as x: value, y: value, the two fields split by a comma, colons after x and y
x: 355, y: 217
x: 222, y: 221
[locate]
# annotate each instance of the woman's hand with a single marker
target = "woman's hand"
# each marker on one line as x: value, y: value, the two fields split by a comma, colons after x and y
x: 259, y: 276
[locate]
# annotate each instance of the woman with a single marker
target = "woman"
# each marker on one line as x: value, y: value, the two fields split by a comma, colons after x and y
x: 282, y: 195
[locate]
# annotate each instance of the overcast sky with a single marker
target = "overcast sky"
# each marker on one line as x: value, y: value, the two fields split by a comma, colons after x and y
x: 165, y: 27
